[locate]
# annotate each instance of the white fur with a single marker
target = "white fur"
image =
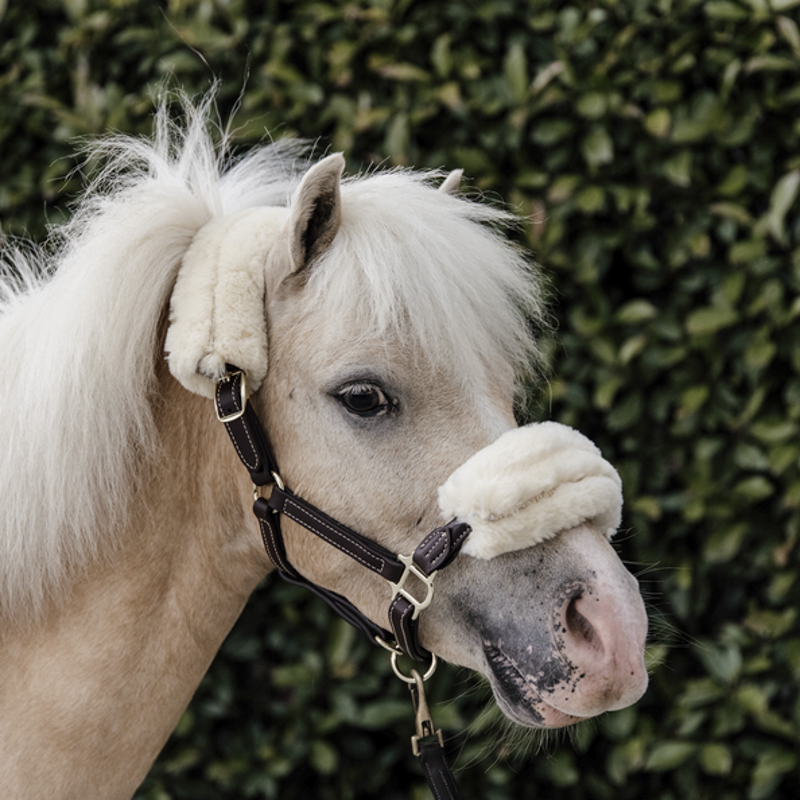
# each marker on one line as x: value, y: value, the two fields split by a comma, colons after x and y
x: 530, y: 484
x: 217, y: 308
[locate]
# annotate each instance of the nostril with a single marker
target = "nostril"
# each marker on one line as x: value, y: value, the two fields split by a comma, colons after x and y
x: 580, y: 627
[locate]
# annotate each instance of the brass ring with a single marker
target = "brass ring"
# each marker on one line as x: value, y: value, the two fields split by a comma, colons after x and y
x: 406, y: 678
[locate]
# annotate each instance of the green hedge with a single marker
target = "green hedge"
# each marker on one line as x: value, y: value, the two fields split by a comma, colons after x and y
x: 653, y: 147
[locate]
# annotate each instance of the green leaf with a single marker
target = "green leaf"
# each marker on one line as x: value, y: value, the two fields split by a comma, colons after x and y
x: 706, y: 321
x: 592, y: 105
x: 725, y: 10
x: 323, y: 757
x: 550, y: 132
x: 631, y: 348
x: 591, y: 199
x: 769, y: 772
x: 382, y: 713
x: 515, y: 71
x: 625, y: 758
x: 597, y: 147
x: 771, y: 624
x: 774, y: 431
x: 700, y: 692
x: 562, y: 770
x: 636, y: 311
x: 691, y: 400
x: 658, y: 122
x: 678, y: 169
x: 724, y: 544
x: 734, y: 182
x: 716, y: 759
x: 780, y: 201
x: 668, y: 755
x: 606, y: 392
x: 754, y: 489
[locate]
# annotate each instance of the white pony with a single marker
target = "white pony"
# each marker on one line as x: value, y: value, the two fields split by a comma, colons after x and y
x: 385, y: 329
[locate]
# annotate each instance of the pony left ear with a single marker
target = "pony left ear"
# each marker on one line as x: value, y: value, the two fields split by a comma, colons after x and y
x: 316, y: 211
x: 217, y: 314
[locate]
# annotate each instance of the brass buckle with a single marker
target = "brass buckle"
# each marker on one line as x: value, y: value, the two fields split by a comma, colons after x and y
x: 243, y: 389
x: 278, y: 482
x: 397, y: 588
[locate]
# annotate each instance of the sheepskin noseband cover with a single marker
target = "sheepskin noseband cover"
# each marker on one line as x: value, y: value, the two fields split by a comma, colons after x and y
x: 217, y: 307
x: 530, y: 484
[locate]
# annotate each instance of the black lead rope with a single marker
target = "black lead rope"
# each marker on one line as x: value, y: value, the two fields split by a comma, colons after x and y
x: 427, y: 744
x: 438, y: 549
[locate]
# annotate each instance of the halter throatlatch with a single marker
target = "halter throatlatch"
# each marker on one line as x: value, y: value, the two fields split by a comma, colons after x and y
x: 438, y: 549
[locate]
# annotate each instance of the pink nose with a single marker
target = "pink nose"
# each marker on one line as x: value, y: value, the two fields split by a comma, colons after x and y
x: 600, y: 632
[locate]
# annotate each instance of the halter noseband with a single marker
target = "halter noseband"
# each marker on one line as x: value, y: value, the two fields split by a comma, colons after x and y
x: 438, y: 549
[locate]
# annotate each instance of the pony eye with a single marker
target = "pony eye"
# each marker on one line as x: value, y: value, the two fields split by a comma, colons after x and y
x: 365, y: 399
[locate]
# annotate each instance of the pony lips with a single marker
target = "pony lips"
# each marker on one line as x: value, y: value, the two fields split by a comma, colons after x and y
x: 530, y: 484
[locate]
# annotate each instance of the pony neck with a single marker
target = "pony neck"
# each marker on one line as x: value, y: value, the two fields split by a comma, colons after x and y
x: 88, y: 702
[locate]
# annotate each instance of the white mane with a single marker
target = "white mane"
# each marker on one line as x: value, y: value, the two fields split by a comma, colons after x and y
x: 78, y: 344
x: 79, y: 329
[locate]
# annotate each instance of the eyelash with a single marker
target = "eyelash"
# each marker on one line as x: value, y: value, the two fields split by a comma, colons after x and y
x: 378, y: 403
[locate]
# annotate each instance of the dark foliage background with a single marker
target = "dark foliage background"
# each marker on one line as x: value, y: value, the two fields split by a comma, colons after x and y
x: 652, y: 146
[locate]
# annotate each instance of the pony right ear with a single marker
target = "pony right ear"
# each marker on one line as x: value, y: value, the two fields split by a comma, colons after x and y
x: 451, y: 183
x: 217, y: 313
x: 316, y: 211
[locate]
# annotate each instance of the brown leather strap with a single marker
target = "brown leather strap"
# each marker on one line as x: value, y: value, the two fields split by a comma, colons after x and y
x: 244, y: 427
x: 269, y: 524
x: 441, y: 546
x: 405, y: 630
x: 368, y: 553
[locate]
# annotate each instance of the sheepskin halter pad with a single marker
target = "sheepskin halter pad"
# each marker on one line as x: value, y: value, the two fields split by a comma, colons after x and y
x: 217, y: 307
x: 530, y: 484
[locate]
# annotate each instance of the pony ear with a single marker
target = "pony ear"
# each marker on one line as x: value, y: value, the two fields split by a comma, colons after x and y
x: 316, y: 211
x: 451, y: 183
x: 217, y: 312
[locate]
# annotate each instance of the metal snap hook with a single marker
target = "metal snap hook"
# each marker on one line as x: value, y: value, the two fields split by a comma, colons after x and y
x: 424, y: 721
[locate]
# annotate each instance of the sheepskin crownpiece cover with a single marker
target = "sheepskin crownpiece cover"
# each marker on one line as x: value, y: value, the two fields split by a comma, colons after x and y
x: 217, y: 306
x: 530, y: 484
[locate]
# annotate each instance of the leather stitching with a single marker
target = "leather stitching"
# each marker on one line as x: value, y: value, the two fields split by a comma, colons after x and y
x: 435, y: 784
x: 464, y: 533
x: 402, y: 626
x: 441, y: 541
x: 334, y: 542
x: 233, y: 428
x: 235, y: 441
x: 273, y: 552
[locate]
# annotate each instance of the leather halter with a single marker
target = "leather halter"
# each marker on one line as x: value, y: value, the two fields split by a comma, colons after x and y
x: 438, y: 549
